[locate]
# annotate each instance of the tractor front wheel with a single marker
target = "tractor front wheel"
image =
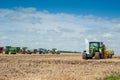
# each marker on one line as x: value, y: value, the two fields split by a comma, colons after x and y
x: 97, y: 55
x: 84, y: 55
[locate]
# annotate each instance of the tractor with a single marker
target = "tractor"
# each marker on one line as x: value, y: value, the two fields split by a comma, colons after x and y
x: 9, y: 50
x: 25, y: 50
x: 35, y: 51
x: 54, y: 51
x: 97, y: 50
x: 42, y: 51
x: 12, y: 50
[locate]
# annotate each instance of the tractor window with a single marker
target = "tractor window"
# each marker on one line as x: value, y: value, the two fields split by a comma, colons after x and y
x: 95, y: 45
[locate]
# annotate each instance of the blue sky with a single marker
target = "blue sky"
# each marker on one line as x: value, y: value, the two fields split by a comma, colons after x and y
x: 63, y: 24
x: 109, y: 8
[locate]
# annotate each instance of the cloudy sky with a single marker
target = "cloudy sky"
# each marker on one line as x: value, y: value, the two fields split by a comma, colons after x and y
x: 61, y: 24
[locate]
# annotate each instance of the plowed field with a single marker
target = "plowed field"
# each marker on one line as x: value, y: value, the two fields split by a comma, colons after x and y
x: 55, y: 67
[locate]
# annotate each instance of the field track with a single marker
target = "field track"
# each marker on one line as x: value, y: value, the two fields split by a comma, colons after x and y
x: 55, y: 67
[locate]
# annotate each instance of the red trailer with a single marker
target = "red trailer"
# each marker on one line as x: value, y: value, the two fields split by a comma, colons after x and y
x: 1, y: 49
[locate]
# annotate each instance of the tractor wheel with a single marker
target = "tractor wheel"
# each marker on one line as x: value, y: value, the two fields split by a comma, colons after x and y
x: 84, y: 55
x: 110, y: 56
x: 97, y: 55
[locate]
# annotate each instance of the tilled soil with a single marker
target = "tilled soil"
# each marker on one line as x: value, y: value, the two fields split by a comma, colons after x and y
x: 55, y: 67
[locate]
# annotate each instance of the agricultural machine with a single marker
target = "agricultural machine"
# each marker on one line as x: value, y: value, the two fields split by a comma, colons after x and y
x: 97, y: 50
x: 10, y: 50
x: 25, y: 50
x: 42, y: 51
x: 45, y: 51
x: 35, y: 51
x: 54, y: 51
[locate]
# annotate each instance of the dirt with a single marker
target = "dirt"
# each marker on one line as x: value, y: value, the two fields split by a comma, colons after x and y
x: 55, y: 67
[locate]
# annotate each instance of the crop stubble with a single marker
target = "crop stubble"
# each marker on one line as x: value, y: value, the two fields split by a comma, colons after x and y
x: 55, y: 67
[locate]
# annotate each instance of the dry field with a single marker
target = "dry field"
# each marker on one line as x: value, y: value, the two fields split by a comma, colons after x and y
x: 55, y: 67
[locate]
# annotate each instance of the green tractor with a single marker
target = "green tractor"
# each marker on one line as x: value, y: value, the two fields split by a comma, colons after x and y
x: 97, y: 50
x: 10, y: 50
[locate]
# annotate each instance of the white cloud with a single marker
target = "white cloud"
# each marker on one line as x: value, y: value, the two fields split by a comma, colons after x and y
x: 3, y: 38
x: 32, y: 28
x: 107, y: 35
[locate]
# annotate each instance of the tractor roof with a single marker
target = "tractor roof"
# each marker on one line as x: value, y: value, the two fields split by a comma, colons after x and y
x: 95, y: 42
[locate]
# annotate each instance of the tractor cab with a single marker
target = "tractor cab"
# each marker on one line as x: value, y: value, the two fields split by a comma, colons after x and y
x: 96, y: 47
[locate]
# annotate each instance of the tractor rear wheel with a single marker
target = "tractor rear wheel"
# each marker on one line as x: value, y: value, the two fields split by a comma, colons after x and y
x: 97, y: 55
x: 84, y: 55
